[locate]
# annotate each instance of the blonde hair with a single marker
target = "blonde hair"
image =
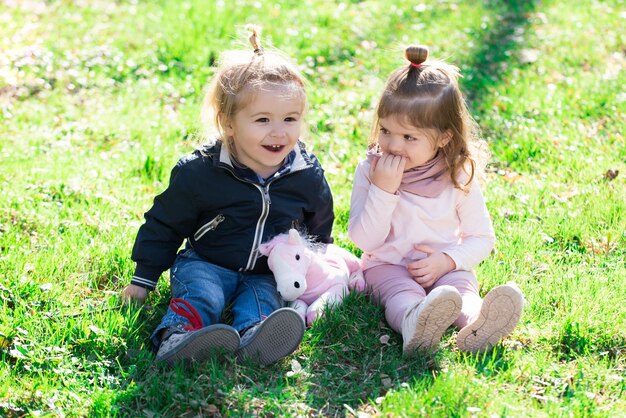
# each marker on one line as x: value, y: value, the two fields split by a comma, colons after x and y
x: 427, y: 94
x: 239, y: 76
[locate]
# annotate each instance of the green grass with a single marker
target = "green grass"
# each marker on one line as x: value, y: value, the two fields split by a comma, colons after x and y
x: 98, y: 100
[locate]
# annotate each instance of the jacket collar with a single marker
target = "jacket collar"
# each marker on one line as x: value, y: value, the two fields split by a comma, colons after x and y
x: 296, y: 160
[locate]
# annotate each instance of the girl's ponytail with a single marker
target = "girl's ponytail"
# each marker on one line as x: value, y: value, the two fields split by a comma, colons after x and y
x: 416, y: 54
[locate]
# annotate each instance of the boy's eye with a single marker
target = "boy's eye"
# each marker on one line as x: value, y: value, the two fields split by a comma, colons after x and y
x: 263, y: 120
x: 384, y: 131
x: 290, y: 119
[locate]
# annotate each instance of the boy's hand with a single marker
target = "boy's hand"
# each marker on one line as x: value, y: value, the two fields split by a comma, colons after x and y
x: 386, y: 172
x: 428, y: 270
x: 134, y: 293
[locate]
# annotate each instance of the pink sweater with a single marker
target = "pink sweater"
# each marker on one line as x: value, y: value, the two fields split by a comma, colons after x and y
x: 386, y: 226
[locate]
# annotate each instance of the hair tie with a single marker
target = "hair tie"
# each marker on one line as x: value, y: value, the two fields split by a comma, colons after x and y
x: 415, y: 65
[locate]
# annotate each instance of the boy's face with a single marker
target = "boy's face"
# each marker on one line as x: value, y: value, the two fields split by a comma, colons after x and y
x: 417, y: 145
x: 267, y: 128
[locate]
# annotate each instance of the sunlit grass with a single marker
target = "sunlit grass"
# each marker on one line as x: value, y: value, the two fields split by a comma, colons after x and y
x: 98, y: 100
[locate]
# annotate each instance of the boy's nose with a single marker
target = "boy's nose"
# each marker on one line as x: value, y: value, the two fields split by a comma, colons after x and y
x: 278, y: 131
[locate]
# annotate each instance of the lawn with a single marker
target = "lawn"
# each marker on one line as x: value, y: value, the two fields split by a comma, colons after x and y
x: 99, y: 99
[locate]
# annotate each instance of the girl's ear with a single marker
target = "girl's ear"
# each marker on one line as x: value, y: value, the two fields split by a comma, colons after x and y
x: 445, y: 138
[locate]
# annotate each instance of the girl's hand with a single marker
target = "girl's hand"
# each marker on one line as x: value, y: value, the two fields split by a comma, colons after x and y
x: 134, y: 293
x: 428, y: 270
x: 386, y: 172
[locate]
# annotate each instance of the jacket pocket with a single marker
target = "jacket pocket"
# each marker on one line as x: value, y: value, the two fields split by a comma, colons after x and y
x: 209, y: 226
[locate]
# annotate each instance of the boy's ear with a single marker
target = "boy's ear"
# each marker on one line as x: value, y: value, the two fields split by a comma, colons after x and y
x: 226, y: 125
x: 445, y: 138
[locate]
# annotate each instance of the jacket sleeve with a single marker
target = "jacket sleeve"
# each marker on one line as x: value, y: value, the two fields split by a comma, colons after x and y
x: 172, y: 217
x: 319, y: 221
x: 477, y: 237
x: 371, y: 209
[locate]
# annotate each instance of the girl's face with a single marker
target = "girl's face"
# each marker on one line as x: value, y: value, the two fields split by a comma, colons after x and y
x: 267, y: 128
x: 417, y: 145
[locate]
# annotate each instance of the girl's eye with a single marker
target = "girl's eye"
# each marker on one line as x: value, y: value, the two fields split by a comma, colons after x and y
x: 410, y: 138
x: 263, y: 120
x: 384, y: 131
x: 290, y: 119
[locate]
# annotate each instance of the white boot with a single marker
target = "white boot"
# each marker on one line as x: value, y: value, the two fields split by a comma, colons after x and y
x: 424, y: 324
x: 498, y: 317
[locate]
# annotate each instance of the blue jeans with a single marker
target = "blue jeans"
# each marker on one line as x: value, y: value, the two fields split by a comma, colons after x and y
x: 210, y: 288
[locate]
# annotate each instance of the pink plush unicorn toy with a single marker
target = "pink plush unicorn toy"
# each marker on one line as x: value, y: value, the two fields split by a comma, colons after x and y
x: 311, y: 278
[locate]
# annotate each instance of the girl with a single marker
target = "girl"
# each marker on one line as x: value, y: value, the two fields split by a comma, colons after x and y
x: 256, y: 181
x: 418, y: 214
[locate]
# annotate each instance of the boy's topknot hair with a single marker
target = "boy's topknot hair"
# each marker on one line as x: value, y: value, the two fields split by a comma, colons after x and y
x: 255, y: 38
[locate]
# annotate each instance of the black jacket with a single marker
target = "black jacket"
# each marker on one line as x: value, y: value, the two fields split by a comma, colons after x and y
x: 224, y: 212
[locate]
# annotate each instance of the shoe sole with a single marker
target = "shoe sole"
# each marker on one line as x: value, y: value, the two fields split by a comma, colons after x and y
x: 205, y: 343
x: 442, y: 310
x: 278, y: 336
x: 498, y: 317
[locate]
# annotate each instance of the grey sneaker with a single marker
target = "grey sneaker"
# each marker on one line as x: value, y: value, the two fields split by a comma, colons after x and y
x: 498, y: 317
x: 424, y: 324
x: 198, y: 345
x: 273, y: 338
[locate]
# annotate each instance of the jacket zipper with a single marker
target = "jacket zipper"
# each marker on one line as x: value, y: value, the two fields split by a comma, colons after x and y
x: 260, y: 225
x: 209, y: 226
